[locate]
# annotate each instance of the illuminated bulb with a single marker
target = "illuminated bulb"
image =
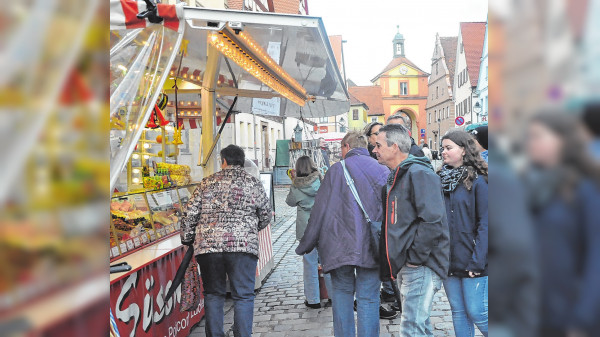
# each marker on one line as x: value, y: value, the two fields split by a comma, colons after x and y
x: 195, y: 102
x: 122, y: 67
x: 147, y: 145
x: 136, y: 171
x: 192, y: 77
x: 146, y: 156
x: 135, y: 156
x: 135, y: 180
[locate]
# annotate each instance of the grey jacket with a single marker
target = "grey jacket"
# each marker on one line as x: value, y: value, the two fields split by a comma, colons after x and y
x: 416, y: 225
x: 302, y: 195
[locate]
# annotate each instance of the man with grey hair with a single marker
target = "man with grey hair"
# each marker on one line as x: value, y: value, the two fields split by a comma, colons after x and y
x: 399, y: 119
x: 415, y: 238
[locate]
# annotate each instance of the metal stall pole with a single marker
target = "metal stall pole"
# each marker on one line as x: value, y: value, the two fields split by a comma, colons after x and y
x: 208, y: 104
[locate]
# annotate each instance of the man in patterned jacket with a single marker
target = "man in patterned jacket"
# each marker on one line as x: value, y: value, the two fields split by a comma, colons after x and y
x: 221, y: 221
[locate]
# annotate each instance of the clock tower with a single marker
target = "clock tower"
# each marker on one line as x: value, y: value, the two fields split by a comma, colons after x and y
x: 398, y: 43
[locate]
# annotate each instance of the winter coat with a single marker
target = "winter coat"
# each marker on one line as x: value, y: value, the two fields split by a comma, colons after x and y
x: 415, y: 230
x: 568, y: 233
x: 302, y: 194
x: 337, y: 226
x: 415, y: 150
x: 467, y: 213
x: 225, y: 213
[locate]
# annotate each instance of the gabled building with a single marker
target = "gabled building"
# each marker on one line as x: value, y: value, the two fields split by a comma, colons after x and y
x: 357, y: 116
x: 481, y: 104
x: 404, y: 88
x: 440, y: 103
x: 468, y: 59
x: 371, y: 96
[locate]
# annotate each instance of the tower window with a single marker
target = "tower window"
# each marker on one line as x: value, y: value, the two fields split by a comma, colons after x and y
x: 403, y: 88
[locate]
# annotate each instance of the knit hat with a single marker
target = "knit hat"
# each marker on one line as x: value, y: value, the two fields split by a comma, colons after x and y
x: 481, y: 135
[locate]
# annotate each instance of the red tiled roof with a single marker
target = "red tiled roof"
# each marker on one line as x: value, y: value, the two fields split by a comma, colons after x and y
x: 371, y: 96
x: 396, y: 61
x: 287, y: 6
x: 354, y: 100
x: 449, y: 47
x: 473, y: 34
x: 336, y: 46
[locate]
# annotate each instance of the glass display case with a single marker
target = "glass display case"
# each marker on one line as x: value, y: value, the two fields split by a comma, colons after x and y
x: 140, y: 219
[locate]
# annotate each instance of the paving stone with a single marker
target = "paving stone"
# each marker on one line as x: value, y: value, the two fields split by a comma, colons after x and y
x: 279, y: 304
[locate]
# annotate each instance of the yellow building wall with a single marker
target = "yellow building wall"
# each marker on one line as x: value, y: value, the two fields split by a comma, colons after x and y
x: 393, y: 83
x: 396, y: 71
x: 413, y: 107
x: 362, y: 119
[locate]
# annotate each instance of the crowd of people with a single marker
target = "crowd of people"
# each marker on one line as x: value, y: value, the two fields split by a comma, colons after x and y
x: 433, y: 232
x: 430, y: 229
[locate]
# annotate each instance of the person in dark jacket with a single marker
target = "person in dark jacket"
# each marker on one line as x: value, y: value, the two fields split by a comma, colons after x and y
x: 325, y: 151
x: 415, y: 150
x: 337, y: 227
x: 415, y: 242
x: 564, y: 187
x: 302, y: 194
x: 464, y: 181
x: 371, y: 131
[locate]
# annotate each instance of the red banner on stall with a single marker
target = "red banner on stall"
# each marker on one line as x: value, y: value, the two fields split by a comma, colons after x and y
x: 138, y: 301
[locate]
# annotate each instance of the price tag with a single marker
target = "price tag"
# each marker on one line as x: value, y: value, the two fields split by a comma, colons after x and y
x: 163, y: 198
x: 130, y: 244
x: 144, y: 238
x: 152, y: 235
x: 136, y: 241
x: 115, y: 251
x: 111, y: 254
x: 139, y: 202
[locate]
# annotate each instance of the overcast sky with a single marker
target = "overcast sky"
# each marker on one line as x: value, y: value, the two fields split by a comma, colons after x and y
x: 369, y: 27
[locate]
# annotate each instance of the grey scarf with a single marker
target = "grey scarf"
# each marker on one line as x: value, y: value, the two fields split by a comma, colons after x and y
x: 451, y: 177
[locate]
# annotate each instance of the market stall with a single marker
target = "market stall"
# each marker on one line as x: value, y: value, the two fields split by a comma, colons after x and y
x: 265, y: 63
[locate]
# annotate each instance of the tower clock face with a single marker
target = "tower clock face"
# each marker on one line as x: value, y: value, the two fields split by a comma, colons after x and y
x: 403, y: 70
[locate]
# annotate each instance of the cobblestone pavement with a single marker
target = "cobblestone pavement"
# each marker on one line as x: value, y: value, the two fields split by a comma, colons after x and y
x: 279, y: 304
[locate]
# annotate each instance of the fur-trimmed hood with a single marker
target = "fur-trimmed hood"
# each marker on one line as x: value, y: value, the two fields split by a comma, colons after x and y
x: 301, y: 182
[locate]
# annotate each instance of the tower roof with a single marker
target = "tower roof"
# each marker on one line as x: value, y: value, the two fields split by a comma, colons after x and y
x: 398, y: 35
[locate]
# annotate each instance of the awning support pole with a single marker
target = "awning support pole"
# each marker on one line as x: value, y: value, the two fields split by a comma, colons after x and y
x: 219, y: 133
x: 208, y: 103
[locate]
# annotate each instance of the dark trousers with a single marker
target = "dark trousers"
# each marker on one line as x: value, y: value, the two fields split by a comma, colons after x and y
x: 241, y: 270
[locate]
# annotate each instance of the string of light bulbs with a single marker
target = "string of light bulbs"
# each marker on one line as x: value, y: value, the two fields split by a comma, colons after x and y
x: 248, y: 54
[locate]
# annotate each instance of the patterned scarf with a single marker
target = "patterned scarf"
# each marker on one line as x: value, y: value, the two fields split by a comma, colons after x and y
x: 451, y: 177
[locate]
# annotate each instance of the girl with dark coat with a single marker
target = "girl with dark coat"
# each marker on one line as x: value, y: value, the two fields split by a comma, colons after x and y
x: 464, y: 182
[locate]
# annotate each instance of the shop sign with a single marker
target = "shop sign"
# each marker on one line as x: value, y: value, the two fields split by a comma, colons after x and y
x: 269, y: 107
x: 138, y: 301
x: 323, y: 129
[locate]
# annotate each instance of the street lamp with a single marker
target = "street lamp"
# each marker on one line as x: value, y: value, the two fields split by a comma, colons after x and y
x: 477, y: 109
x: 298, y: 133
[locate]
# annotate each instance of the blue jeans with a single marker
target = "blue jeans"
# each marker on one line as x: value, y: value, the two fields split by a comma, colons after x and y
x: 366, y: 284
x: 241, y: 270
x: 419, y: 285
x: 387, y: 287
x: 468, y: 299
x: 311, y: 278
